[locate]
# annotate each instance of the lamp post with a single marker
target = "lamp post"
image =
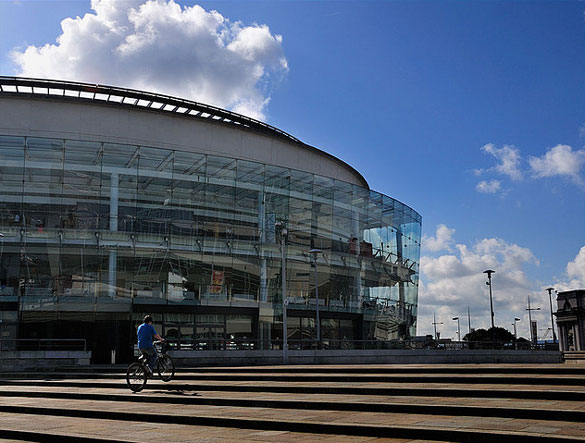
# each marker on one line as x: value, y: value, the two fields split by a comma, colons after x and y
x: 435, y: 323
x: 458, y: 328
x: 516, y: 319
x: 489, y: 273
x: 529, y: 309
x: 283, y: 234
x: 552, y: 321
x: 315, y: 252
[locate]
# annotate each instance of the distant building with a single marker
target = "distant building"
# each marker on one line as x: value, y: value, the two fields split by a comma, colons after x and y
x: 571, y: 320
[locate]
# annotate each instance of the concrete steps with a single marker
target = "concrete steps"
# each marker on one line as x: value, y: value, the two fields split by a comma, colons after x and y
x: 411, y: 379
x: 542, y: 413
x: 306, y: 405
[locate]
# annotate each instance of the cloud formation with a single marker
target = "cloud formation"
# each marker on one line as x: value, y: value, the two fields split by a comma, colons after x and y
x: 488, y: 187
x: 441, y: 241
x: 508, y: 160
x: 452, y: 282
x: 575, y: 274
x: 562, y: 161
x: 162, y: 47
x: 558, y: 161
x: 576, y: 267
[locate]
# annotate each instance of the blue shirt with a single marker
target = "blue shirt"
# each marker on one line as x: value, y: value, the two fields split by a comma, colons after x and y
x: 145, y: 333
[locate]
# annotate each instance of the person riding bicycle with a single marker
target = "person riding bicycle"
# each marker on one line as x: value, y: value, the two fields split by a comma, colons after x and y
x: 146, y: 333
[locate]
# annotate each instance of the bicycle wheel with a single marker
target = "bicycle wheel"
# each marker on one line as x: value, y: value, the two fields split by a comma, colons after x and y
x: 136, y: 377
x: 165, y: 367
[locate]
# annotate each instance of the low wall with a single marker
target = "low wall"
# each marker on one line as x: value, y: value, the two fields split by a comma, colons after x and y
x: 574, y: 357
x: 375, y: 356
x: 25, y: 360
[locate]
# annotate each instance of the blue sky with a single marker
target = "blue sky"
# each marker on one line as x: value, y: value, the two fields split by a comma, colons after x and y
x: 408, y: 93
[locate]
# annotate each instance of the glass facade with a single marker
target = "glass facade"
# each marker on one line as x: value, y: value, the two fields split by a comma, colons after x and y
x: 99, y: 232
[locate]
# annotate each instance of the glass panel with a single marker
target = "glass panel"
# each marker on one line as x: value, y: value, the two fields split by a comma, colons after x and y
x: 89, y: 224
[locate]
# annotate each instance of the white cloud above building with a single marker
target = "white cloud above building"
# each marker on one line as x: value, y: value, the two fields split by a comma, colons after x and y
x: 488, y: 187
x: 560, y: 161
x: 508, y: 158
x: 162, y: 47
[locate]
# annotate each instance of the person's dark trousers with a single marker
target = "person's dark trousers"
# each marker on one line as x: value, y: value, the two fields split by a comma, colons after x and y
x: 152, y: 355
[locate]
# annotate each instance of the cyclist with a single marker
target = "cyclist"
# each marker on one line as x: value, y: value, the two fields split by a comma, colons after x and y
x: 146, y: 333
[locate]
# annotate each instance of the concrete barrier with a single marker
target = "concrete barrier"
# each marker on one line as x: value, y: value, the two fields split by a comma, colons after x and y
x: 359, y: 356
x: 27, y: 360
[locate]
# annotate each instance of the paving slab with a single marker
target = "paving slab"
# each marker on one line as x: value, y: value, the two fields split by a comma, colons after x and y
x: 144, y: 432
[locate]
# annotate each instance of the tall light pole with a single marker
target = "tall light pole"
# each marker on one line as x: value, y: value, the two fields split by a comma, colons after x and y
x: 516, y: 320
x: 315, y: 252
x: 468, y: 321
x: 283, y: 234
x: 458, y: 328
x: 552, y: 321
x: 489, y: 273
x: 435, y: 325
x: 532, y: 337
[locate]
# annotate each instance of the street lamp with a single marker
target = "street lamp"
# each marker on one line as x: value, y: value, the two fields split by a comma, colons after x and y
x: 458, y: 328
x: 283, y: 234
x: 489, y: 273
x: 552, y: 322
x: 315, y: 252
x: 516, y: 319
x: 532, y: 337
x: 435, y: 323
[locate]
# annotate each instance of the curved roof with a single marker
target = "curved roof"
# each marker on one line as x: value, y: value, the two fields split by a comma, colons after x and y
x: 111, y: 95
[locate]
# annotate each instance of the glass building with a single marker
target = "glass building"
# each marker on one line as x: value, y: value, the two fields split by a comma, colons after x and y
x: 115, y: 203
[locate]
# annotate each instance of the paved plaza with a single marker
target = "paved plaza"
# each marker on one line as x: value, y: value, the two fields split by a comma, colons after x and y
x: 471, y: 403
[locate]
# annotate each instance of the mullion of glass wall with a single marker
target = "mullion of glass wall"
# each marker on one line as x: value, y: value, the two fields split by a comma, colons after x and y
x: 42, y: 200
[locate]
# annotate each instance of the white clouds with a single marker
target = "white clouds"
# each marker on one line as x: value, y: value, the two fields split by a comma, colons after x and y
x: 441, y: 240
x: 160, y: 46
x: 509, y: 160
x: 575, y: 275
x: 560, y: 160
x: 451, y: 282
x: 576, y: 268
x: 488, y: 187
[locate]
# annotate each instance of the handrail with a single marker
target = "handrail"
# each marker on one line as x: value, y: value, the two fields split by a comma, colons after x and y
x: 227, y: 344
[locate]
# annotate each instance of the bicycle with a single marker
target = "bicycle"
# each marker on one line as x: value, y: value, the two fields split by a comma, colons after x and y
x: 138, y: 372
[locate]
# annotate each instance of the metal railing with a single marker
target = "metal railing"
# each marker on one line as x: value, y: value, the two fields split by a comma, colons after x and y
x: 223, y: 344
x: 43, y: 344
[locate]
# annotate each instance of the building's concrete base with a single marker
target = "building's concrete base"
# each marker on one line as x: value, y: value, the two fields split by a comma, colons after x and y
x: 25, y: 360
x: 377, y: 356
